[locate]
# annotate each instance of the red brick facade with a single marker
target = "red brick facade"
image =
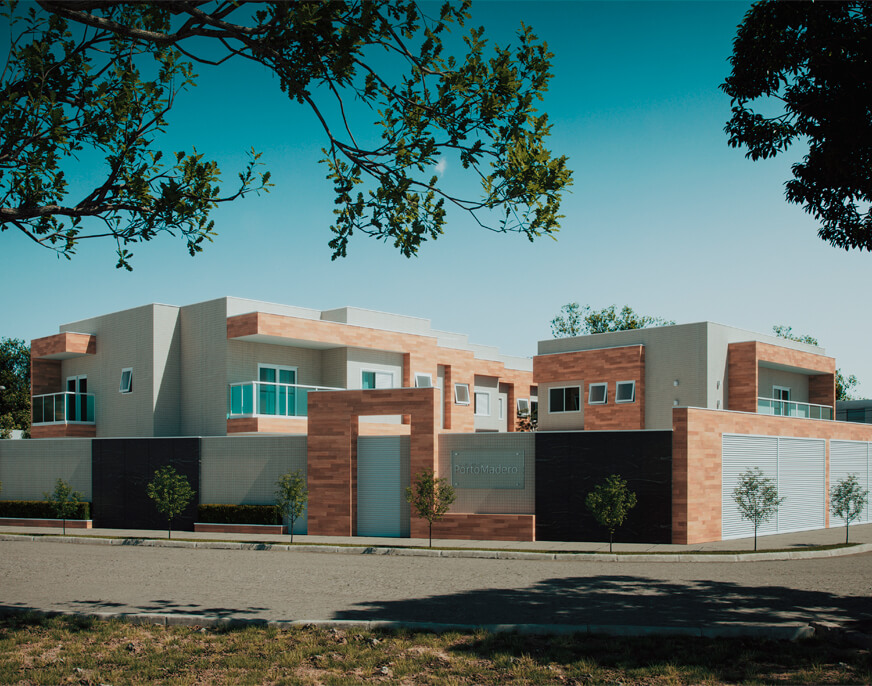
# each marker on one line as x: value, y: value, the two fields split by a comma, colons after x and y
x: 63, y: 431
x: 606, y: 365
x: 696, y: 460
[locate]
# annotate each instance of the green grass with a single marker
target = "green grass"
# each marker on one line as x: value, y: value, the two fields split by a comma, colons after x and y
x: 35, y: 649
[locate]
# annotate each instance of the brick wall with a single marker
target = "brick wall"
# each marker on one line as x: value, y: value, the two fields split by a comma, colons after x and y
x: 482, y: 527
x: 608, y: 365
x: 696, y: 460
x: 63, y: 431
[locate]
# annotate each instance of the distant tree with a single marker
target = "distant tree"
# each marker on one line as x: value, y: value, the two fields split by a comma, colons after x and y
x: 847, y: 500
x: 430, y: 498
x: 610, y: 502
x: 757, y: 498
x: 98, y: 80
x: 578, y: 320
x: 844, y: 384
x: 15, y: 376
x: 64, y: 501
x: 530, y: 421
x: 171, y: 494
x: 807, y: 66
x: 291, y: 497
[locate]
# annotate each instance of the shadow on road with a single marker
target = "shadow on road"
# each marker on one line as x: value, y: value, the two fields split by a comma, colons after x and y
x: 622, y: 600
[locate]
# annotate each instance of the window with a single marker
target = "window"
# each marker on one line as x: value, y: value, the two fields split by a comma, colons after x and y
x: 781, y: 393
x: 423, y: 380
x: 461, y: 393
x: 126, y: 385
x: 523, y: 407
x: 482, y: 404
x: 373, y: 379
x: 564, y: 399
x: 598, y: 393
x: 625, y: 392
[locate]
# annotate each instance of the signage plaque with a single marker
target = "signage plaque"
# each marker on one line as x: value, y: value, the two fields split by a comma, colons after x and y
x: 487, y: 468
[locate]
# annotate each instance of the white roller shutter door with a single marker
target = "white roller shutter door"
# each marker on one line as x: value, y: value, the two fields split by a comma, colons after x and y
x: 738, y: 454
x: 850, y: 457
x: 382, y: 478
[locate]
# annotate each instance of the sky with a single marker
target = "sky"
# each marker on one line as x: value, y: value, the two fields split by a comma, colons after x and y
x: 663, y: 215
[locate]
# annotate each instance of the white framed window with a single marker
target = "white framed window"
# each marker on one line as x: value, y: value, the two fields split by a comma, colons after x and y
x: 482, y: 404
x: 523, y: 407
x: 625, y: 392
x: 501, y: 404
x: 276, y: 373
x: 564, y: 399
x: 423, y: 380
x: 598, y: 394
x: 781, y: 392
x: 371, y: 378
x: 461, y: 394
x: 126, y: 385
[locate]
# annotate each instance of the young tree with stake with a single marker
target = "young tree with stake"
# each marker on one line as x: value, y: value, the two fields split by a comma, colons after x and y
x: 64, y: 501
x: 291, y: 497
x: 171, y: 493
x: 610, y: 502
x: 430, y: 498
x: 847, y: 500
x: 757, y: 498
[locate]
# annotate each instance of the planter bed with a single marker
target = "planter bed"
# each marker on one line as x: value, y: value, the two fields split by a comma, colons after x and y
x: 26, y: 521
x: 208, y: 527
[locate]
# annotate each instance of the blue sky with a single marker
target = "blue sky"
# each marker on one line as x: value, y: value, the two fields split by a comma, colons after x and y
x: 663, y: 215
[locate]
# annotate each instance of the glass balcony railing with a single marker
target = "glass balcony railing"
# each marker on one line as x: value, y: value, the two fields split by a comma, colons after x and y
x: 252, y: 398
x: 63, y: 408
x: 789, y: 408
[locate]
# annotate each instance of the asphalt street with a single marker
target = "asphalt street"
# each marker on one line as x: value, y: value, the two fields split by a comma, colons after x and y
x: 281, y: 585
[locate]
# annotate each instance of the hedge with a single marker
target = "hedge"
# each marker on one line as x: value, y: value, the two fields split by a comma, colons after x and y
x: 238, y: 514
x: 39, y: 509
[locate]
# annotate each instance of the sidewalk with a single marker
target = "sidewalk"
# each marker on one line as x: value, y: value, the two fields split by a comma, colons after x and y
x: 793, y: 542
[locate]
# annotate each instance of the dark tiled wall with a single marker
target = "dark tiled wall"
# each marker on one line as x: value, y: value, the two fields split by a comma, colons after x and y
x: 570, y: 464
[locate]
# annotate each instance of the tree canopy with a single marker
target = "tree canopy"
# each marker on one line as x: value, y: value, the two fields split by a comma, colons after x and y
x: 15, y: 377
x: 578, y: 320
x: 99, y: 78
x: 801, y: 73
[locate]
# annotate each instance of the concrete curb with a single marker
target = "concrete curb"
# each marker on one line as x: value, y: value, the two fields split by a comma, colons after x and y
x: 787, y: 632
x: 462, y: 553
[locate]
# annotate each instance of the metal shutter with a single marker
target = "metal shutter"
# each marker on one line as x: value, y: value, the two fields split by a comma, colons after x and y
x: 738, y: 454
x: 382, y: 478
x: 850, y: 457
x: 802, y: 482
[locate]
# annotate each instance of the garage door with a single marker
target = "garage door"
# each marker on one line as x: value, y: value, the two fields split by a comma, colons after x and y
x: 382, y: 478
x: 796, y: 466
x: 850, y: 457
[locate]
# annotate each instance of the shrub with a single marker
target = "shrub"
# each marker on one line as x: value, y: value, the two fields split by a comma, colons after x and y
x: 39, y: 509
x: 238, y: 514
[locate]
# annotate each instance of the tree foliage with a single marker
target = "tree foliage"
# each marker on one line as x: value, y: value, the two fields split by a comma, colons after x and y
x: 291, y: 497
x: 847, y: 500
x: 64, y: 501
x: 610, y: 502
x: 756, y: 497
x: 15, y: 376
x: 430, y: 498
x: 103, y: 77
x: 578, y: 320
x: 845, y: 384
x: 171, y: 494
x: 801, y: 74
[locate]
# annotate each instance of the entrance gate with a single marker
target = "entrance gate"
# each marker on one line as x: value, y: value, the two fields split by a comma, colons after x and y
x: 382, y: 479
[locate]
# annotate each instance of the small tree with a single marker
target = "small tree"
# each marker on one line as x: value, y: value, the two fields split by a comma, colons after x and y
x: 847, y: 500
x: 430, y: 498
x: 171, y: 493
x: 610, y: 502
x: 757, y: 498
x: 64, y: 501
x: 291, y: 497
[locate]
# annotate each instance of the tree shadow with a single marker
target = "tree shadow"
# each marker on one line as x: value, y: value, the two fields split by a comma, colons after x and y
x: 623, y: 600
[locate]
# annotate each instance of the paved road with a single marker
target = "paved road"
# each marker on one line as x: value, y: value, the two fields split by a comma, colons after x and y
x: 279, y: 585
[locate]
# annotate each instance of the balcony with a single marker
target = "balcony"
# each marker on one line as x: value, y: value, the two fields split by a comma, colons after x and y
x: 63, y: 408
x: 265, y: 399
x: 789, y: 408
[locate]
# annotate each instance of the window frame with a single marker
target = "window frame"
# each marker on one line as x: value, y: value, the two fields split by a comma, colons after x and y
x: 564, y: 389
x: 632, y: 399
x: 423, y: 375
x: 598, y: 384
x: 375, y: 376
x: 457, y: 400
x: 476, y: 410
x: 523, y: 411
x: 778, y: 397
x: 129, y: 387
